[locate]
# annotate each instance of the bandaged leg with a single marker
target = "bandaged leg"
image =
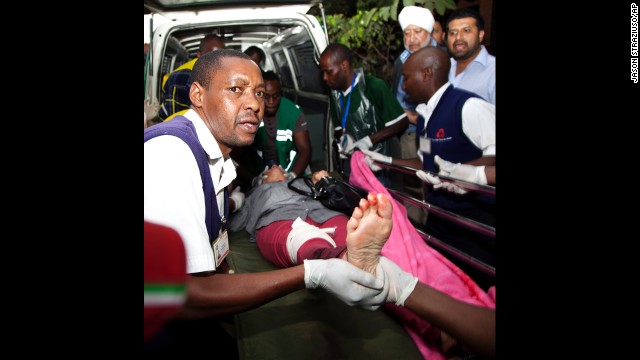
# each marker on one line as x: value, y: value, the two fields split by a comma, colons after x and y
x: 301, y: 232
x: 367, y: 231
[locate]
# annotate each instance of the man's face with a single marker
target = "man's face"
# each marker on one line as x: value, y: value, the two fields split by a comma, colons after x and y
x: 413, y: 80
x: 256, y: 57
x: 233, y: 104
x: 274, y: 174
x: 333, y: 73
x: 415, y: 38
x: 464, y: 38
x: 210, y: 45
x: 438, y: 33
x: 272, y: 97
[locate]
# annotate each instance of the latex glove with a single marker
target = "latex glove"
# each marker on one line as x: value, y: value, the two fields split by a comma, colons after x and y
x: 151, y: 108
x: 428, y: 178
x: 400, y: 282
x: 345, y: 142
x: 348, y: 283
x: 259, y: 178
x: 238, y: 198
x: 288, y: 175
x: 362, y: 144
x: 439, y: 184
x: 450, y: 187
x: 372, y: 155
x: 471, y: 173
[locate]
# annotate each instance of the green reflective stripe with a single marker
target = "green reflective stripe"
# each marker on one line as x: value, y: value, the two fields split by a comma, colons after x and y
x: 164, y: 294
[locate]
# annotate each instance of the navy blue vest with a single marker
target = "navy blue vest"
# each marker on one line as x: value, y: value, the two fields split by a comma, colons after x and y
x: 182, y: 128
x: 449, y: 142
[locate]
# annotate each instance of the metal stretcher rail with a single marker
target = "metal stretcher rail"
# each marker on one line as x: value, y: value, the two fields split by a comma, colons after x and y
x: 460, y: 220
x: 434, y: 242
x: 482, y: 189
x: 468, y: 259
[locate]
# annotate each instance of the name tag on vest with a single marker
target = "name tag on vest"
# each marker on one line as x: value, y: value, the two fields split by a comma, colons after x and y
x: 220, y: 247
x: 425, y: 145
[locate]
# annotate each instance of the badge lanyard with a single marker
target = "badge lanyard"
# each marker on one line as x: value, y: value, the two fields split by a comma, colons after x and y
x: 346, y: 111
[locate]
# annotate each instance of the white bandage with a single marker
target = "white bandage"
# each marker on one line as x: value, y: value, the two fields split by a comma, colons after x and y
x: 301, y: 232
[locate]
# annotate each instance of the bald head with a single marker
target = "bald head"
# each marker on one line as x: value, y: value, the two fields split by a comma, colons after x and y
x: 425, y: 71
x: 209, y: 43
x: 435, y: 58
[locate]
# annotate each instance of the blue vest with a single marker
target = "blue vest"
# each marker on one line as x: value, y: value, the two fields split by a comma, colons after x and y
x: 449, y: 142
x: 182, y: 128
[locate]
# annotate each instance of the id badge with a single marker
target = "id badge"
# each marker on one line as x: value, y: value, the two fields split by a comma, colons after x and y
x: 425, y: 145
x: 220, y: 247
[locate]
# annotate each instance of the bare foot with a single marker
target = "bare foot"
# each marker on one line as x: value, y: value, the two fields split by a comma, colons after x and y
x: 367, y: 231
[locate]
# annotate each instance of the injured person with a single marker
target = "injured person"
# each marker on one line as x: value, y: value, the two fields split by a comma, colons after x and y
x: 289, y: 228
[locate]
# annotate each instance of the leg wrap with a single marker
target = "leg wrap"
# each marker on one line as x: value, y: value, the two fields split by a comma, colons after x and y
x: 302, y: 232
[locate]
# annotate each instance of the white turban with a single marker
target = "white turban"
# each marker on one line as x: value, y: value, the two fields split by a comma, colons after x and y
x: 418, y: 16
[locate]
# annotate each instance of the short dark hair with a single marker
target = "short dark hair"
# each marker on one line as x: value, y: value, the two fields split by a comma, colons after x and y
x: 270, y: 76
x: 207, y: 65
x: 254, y: 49
x: 339, y: 53
x: 465, y: 13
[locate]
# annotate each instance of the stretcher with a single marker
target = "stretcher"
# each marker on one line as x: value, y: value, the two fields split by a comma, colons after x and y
x: 311, y: 324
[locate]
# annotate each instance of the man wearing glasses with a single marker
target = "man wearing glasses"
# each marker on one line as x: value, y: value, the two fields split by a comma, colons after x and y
x: 282, y: 139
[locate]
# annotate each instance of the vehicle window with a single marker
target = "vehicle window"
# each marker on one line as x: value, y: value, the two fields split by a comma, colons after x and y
x: 309, y: 74
x: 283, y: 69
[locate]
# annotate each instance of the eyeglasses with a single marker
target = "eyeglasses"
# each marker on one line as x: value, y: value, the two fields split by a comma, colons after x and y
x: 275, y: 97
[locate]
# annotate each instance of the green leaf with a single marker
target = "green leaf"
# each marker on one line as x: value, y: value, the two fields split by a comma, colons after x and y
x: 384, y: 13
x: 449, y: 4
x: 394, y: 11
x: 440, y: 7
x: 368, y: 15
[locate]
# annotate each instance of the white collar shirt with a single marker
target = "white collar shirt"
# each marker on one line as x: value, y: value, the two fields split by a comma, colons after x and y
x: 478, y: 120
x: 173, y: 194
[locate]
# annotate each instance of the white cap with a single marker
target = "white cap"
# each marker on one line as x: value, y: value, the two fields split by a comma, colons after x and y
x: 418, y: 16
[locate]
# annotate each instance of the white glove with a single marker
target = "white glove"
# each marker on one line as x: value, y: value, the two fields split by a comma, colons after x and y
x: 362, y: 144
x: 372, y: 155
x: 238, y: 198
x: 428, y: 178
x: 401, y: 283
x: 151, y: 108
x: 471, y: 173
x: 289, y: 175
x: 347, y: 282
x: 259, y: 178
x: 439, y: 184
x: 346, y: 141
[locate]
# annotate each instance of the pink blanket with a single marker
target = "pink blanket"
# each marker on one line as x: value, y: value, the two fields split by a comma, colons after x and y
x: 406, y: 248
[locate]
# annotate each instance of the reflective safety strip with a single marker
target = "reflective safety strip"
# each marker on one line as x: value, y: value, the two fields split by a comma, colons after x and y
x: 284, y: 135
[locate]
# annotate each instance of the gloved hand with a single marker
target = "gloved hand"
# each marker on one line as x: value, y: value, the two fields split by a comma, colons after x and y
x: 151, y: 108
x: 471, y: 173
x: 362, y: 144
x: 345, y: 142
x: 439, y: 184
x: 288, y: 175
x: 259, y: 178
x: 400, y: 282
x: 238, y: 198
x: 372, y: 155
x: 347, y: 282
